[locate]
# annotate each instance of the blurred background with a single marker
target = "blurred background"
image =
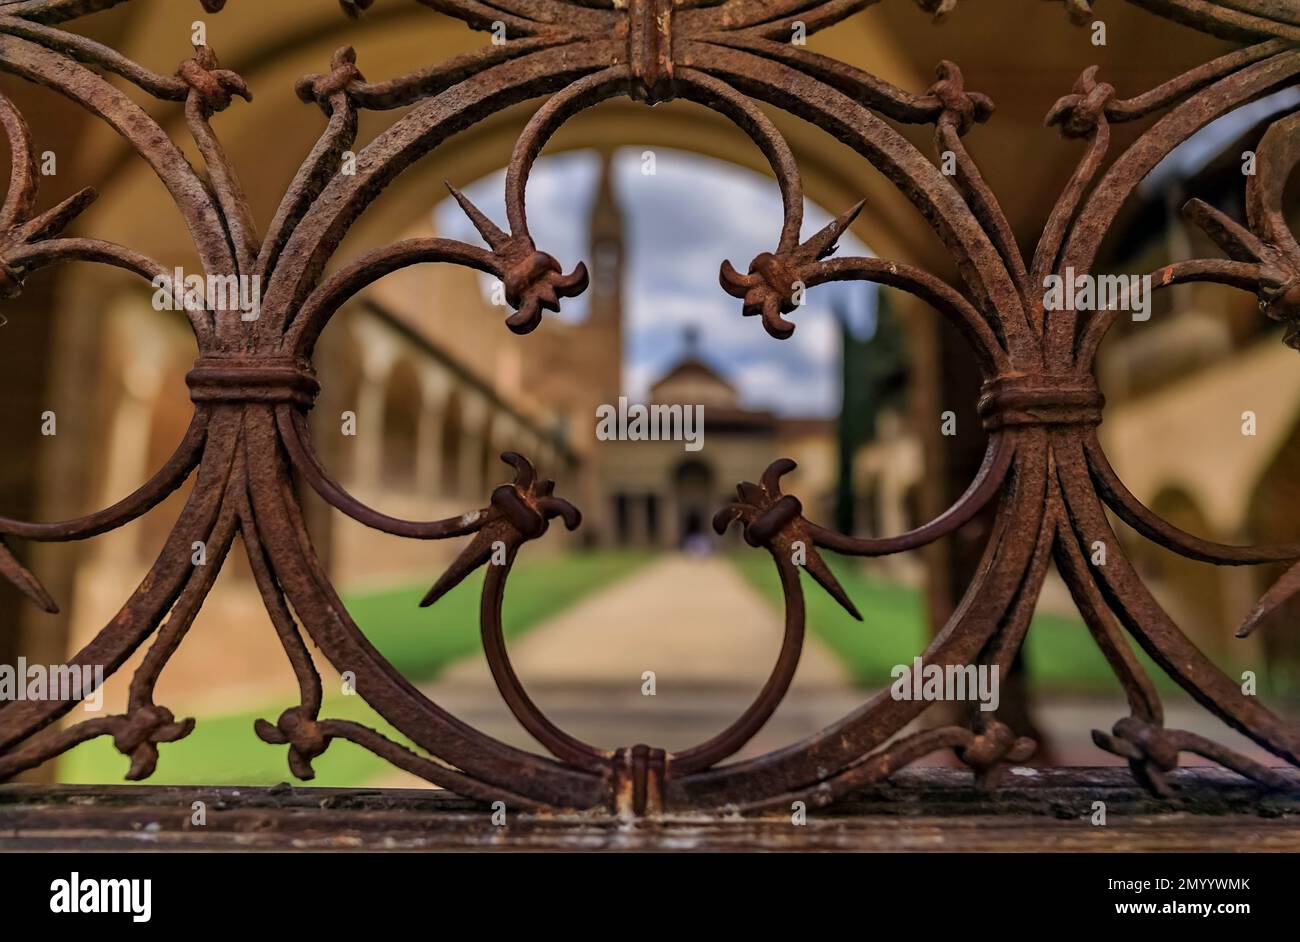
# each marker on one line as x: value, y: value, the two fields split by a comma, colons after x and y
x: 652, y: 201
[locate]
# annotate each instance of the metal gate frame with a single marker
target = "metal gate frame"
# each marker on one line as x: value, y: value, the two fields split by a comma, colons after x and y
x: 1044, y: 471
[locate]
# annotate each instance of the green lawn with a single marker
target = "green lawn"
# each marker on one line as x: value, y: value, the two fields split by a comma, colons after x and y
x: 420, y: 642
x: 1061, y: 655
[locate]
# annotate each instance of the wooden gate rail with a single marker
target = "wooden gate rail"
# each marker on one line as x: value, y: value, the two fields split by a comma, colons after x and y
x: 919, y: 809
x: 1045, y: 471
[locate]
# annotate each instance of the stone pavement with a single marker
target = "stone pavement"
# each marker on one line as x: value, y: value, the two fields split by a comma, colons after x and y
x: 709, y: 638
x: 711, y: 641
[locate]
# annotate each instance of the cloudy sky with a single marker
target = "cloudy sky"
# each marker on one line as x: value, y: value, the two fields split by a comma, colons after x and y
x: 681, y: 223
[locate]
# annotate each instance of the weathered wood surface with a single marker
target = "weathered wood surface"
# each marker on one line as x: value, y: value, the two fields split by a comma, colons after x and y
x: 920, y: 810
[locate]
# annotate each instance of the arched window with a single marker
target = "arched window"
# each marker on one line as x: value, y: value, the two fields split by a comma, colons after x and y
x: 695, y: 492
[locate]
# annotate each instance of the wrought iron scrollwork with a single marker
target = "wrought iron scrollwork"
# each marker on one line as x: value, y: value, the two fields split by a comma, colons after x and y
x: 254, y: 382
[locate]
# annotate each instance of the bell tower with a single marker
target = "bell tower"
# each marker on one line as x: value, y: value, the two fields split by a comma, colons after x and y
x: 607, y: 258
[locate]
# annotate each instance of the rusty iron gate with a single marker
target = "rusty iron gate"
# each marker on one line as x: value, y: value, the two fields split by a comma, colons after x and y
x: 1044, y: 472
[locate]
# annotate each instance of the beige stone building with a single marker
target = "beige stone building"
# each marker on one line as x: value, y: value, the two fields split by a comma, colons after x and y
x: 663, y: 494
x: 1202, y: 424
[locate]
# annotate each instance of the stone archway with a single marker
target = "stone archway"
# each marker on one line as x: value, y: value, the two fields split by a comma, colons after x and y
x: 694, y: 495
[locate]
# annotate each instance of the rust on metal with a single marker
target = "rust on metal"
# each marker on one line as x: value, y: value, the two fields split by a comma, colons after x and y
x: 1045, y: 474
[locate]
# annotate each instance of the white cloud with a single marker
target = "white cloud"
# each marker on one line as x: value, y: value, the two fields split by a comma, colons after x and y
x: 681, y: 224
x: 818, y: 336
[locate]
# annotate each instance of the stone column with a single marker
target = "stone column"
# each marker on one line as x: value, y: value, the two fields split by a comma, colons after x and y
x: 433, y: 412
x: 376, y: 366
x: 474, y: 413
x: 145, y: 352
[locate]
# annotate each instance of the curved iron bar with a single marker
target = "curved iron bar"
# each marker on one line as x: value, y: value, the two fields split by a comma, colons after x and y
x: 151, y: 601
x: 746, y: 726
x: 254, y: 384
x: 978, y: 260
x: 192, y: 198
x: 1117, y: 184
x: 998, y: 459
x: 992, y: 594
x: 345, y: 196
x: 560, y: 744
x: 311, y: 595
x: 292, y: 426
x: 934, y: 291
x: 1133, y: 604
x: 1133, y: 512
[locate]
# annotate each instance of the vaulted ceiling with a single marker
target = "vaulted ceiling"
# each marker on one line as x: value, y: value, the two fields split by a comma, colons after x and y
x: 1024, y: 54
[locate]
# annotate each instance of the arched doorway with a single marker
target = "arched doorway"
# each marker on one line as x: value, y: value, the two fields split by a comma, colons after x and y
x: 693, y: 491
